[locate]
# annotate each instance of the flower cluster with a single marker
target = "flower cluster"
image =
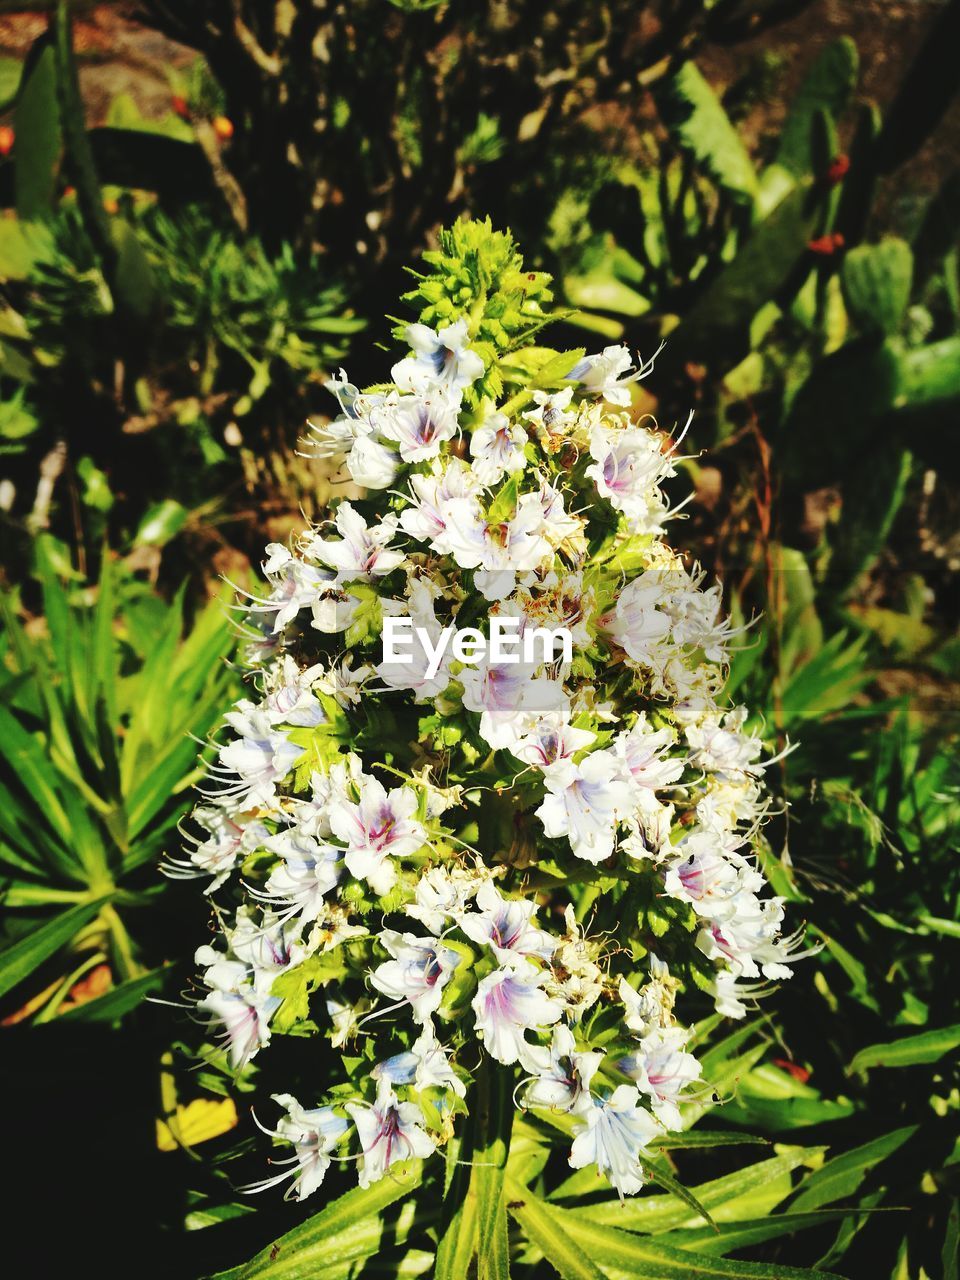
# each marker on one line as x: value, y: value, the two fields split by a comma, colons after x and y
x: 526, y: 864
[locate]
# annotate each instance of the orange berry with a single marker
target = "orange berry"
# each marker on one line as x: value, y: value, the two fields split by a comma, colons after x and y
x: 6, y: 139
x: 223, y: 128
x: 110, y: 205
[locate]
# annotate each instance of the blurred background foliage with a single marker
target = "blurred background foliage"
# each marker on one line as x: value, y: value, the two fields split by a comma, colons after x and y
x: 204, y: 204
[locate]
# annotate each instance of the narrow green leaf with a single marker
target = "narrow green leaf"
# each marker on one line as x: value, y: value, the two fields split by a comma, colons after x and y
x: 729, y: 1236
x: 305, y: 1252
x: 910, y: 1051
x: 708, y: 1138
x: 18, y: 961
x: 494, y: 1101
x: 842, y: 1176
x: 676, y: 1188
x: 458, y: 1244
x: 621, y: 1254
x: 743, y: 1194
x: 541, y: 1225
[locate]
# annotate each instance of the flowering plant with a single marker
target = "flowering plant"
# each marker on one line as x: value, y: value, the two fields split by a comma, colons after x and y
x: 479, y: 879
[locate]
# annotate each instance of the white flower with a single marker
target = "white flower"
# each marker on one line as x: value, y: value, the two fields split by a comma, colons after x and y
x: 497, y: 448
x: 649, y: 829
x: 343, y: 683
x: 504, y: 925
x: 250, y: 766
x: 558, y: 524
x: 334, y: 611
x: 380, y: 826
x: 584, y: 803
x: 550, y: 741
x: 314, y: 1135
x: 307, y: 874
x: 509, y: 1002
x: 642, y: 751
x: 243, y: 1014
x: 419, y: 424
x: 561, y: 1074
x: 295, y: 585
x: 501, y: 549
x: 610, y: 373
x: 413, y: 671
x: 701, y: 875
x: 424, y: 518
x: 230, y: 834
x: 371, y: 464
x: 290, y: 698
x: 441, y: 358
x: 650, y: 1008
x: 268, y: 946
x: 508, y: 698
x: 552, y: 413
x: 442, y: 895
x: 613, y: 1136
x: 362, y: 550
x: 628, y: 465
x: 730, y: 993
x: 418, y: 972
x: 636, y: 623
x: 334, y: 440
x: 425, y: 1065
x: 662, y: 1070
x: 748, y: 938
x: 719, y: 746
x: 389, y: 1131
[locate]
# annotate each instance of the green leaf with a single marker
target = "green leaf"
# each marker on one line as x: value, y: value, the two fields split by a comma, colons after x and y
x: 541, y: 1225
x: 22, y: 246
x: 692, y: 111
x: 876, y: 280
x: 826, y: 87
x: 504, y: 504
x: 951, y: 1243
x: 706, y: 1138
x: 759, y: 1187
x: 729, y: 1236
x: 160, y: 523
x: 37, y: 125
x: 842, y: 1176
x: 495, y: 1111
x: 458, y: 1243
x: 676, y: 1188
x: 11, y: 71
x: 315, y: 1247
x: 718, y: 323
x: 576, y: 1245
x: 20, y: 959
x: 910, y: 1051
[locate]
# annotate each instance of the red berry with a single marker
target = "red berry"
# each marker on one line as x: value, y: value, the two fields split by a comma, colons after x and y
x: 6, y: 139
x: 839, y: 167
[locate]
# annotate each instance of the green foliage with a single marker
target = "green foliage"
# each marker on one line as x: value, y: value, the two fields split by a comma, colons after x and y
x: 876, y: 282
x: 231, y: 300
x: 100, y: 702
